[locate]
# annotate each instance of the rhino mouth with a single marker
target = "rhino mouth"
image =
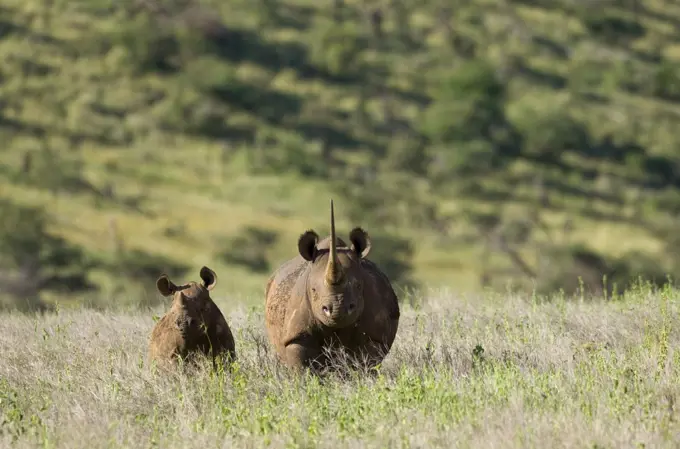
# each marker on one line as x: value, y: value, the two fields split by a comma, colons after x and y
x: 339, y: 315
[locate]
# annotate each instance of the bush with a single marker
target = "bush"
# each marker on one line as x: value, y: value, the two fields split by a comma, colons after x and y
x: 466, y: 123
x: 610, y: 27
x: 548, y: 133
x: 666, y: 82
x: 337, y: 48
x: 248, y: 249
x: 577, y: 270
x: 393, y: 255
x: 33, y: 260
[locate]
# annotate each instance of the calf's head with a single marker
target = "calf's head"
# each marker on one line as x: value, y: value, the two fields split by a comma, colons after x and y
x: 193, y: 296
x: 335, y: 283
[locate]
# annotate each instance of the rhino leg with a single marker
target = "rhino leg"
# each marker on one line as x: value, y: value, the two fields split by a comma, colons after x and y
x: 303, y: 352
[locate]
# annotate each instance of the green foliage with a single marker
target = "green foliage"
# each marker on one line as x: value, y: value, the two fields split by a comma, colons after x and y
x: 580, y: 271
x: 666, y: 80
x: 468, y: 103
x: 337, y: 47
x: 137, y: 266
x: 612, y: 27
x: 549, y: 132
x: 393, y: 255
x: 147, y: 47
x: 466, y: 122
x: 135, y: 277
x: 249, y: 248
x: 277, y: 152
x: 33, y: 260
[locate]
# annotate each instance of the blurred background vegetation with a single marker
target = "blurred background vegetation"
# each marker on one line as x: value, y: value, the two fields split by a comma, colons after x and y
x: 525, y: 144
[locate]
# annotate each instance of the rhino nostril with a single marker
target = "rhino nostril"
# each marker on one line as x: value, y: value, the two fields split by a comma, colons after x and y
x: 326, y: 311
x: 351, y: 307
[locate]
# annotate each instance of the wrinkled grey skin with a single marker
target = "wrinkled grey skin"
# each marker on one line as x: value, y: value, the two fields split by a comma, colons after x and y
x: 193, y: 324
x: 331, y: 296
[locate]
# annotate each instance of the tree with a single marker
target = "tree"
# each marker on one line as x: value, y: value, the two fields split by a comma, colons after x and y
x: 466, y: 123
x: 33, y: 260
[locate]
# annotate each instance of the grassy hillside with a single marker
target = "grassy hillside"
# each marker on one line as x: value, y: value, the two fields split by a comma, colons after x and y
x: 492, y: 371
x: 477, y: 142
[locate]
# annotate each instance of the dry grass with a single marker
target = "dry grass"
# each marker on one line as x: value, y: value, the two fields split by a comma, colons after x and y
x: 551, y: 374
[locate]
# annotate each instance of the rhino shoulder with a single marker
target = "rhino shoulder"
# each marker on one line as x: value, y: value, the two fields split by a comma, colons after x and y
x: 375, y: 272
x: 286, y: 295
x: 287, y: 274
x: 386, y: 296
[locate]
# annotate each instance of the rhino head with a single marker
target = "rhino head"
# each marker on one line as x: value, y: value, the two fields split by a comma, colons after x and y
x: 193, y: 297
x: 335, y: 287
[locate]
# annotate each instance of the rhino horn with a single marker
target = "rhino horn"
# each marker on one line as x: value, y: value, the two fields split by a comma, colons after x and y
x: 334, y: 274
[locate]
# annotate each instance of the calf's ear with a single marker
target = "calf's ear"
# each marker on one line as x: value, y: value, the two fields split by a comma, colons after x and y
x: 209, y: 278
x: 165, y: 285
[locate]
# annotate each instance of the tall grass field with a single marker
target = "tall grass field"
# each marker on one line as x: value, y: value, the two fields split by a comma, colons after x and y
x: 486, y: 371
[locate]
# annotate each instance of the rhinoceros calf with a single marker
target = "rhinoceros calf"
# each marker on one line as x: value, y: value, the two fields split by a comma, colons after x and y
x: 193, y: 324
x: 328, y: 297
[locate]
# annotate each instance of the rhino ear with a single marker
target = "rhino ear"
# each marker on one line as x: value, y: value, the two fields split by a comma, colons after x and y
x: 165, y: 285
x: 209, y: 278
x: 361, y: 242
x: 307, y: 245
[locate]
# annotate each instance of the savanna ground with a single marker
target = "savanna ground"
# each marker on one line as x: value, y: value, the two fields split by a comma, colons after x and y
x: 465, y: 371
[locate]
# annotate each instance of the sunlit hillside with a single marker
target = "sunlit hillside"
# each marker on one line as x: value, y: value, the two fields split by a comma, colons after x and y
x: 478, y: 143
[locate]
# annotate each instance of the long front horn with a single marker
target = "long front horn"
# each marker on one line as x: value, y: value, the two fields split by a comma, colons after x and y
x: 333, y: 269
